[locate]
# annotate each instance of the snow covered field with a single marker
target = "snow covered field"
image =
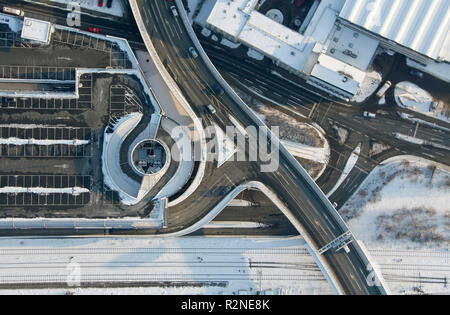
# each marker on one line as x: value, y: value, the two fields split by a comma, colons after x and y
x: 200, y: 10
x: 412, y: 97
x: 216, y: 266
x: 368, y: 87
x: 402, y: 204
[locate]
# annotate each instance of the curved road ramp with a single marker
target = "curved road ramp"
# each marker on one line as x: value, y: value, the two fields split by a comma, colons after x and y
x: 343, y: 259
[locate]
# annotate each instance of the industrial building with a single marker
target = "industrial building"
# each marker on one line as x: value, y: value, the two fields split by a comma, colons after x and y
x: 339, y: 39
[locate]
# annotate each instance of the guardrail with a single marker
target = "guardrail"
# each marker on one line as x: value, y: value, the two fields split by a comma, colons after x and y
x: 329, y: 207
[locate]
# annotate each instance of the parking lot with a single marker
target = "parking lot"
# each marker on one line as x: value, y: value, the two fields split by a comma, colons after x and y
x: 44, y: 199
x: 48, y: 134
x: 51, y: 146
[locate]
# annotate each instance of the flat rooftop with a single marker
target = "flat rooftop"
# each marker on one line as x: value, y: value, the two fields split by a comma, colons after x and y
x: 351, y: 47
x: 36, y: 30
x: 241, y: 22
x: 423, y: 26
x: 338, y: 74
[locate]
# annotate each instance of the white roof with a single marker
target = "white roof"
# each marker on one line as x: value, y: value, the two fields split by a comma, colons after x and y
x: 421, y: 25
x: 352, y: 47
x: 239, y: 20
x: 338, y: 73
x: 231, y: 16
x: 36, y: 30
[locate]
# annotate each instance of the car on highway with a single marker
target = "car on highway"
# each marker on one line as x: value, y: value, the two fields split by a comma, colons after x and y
x: 109, y: 3
x: 416, y: 73
x: 369, y: 115
x: 225, y: 191
x: 211, y: 109
x: 13, y: 11
x: 217, y: 89
x: 193, y: 52
x: 100, y: 3
x: 93, y: 29
x: 174, y: 10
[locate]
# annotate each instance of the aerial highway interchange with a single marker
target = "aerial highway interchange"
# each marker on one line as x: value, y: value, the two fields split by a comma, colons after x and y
x: 197, y: 80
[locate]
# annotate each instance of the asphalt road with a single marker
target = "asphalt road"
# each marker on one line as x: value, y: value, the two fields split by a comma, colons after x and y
x: 306, y: 106
x: 119, y: 28
x: 171, y: 42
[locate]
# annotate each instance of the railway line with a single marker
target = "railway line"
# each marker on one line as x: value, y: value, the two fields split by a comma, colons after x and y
x: 115, y: 251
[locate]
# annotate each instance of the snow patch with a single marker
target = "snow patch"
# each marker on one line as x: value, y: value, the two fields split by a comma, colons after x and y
x: 229, y: 43
x: 402, y: 204
x: 368, y: 86
x: 351, y: 162
x: 255, y: 54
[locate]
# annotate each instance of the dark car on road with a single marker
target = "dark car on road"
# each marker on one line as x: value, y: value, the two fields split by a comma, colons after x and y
x: 217, y: 89
x: 416, y: 73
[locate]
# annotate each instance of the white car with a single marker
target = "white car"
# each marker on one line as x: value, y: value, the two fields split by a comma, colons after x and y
x: 174, y: 11
x: 369, y: 115
x: 211, y: 109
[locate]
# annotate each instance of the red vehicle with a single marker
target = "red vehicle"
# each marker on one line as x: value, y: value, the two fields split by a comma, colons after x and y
x: 298, y: 3
x: 100, y: 3
x: 93, y: 29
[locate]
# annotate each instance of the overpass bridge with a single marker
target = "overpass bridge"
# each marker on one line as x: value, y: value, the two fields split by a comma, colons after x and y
x: 342, y: 258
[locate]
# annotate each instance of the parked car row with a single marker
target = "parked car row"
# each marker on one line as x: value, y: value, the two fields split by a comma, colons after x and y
x: 108, y: 3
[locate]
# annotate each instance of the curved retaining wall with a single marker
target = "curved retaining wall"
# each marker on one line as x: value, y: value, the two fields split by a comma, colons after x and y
x: 321, y: 262
x: 179, y: 95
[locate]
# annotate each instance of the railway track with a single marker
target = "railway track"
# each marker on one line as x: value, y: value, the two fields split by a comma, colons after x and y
x: 116, y: 251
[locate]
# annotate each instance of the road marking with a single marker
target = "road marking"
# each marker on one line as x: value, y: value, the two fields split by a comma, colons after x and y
x: 313, y: 109
x: 228, y: 178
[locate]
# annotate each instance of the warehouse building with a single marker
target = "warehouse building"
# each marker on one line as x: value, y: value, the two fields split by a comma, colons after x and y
x: 337, y: 46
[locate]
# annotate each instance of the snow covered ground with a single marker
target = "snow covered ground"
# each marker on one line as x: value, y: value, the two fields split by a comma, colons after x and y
x: 40, y: 190
x: 13, y: 22
x: 200, y: 10
x: 229, y: 43
x: 403, y: 204
x: 368, y: 87
x: 234, y: 265
x: 116, y: 8
x: 17, y: 141
x: 351, y: 162
x: 217, y: 265
x: 255, y: 54
x: 412, y: 97
x: 439, y: 70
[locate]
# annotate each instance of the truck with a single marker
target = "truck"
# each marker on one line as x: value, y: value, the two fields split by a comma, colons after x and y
x: 13, y: 11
